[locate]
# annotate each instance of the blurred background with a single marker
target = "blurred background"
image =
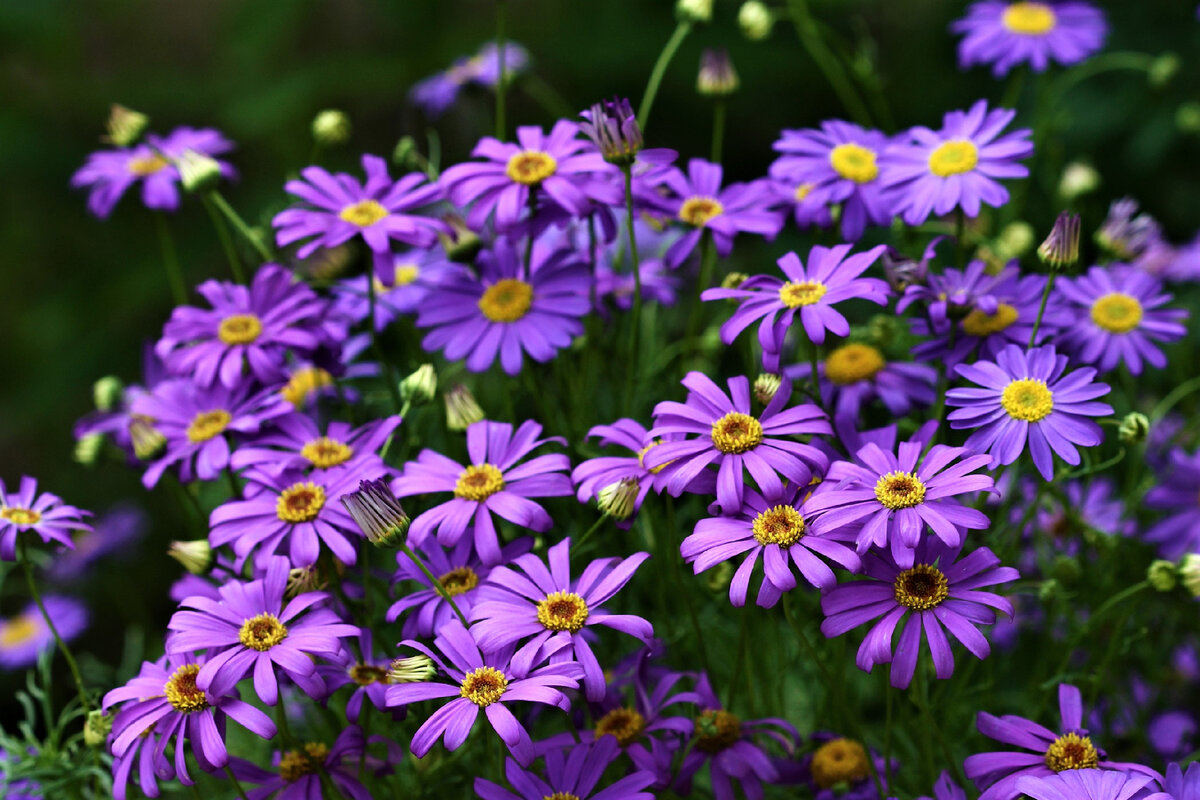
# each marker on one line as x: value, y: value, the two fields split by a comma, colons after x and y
x: 80, y: 296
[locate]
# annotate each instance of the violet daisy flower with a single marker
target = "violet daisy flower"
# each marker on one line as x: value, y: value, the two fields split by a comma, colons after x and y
x: 480, y: 681
x: 953, y: 293
x: 571, y: 774
x: 1124, y: 318
x: 1177, y: 492
x: 1180, y: 785
x: 658, y: 285
x: 936, y: 594
x: 956, y: 167
x: 1088, y: 784
x: 193, y: 420
x: 300, y: 773
x: 1027, y: 395
x: 114, y: 535
x: 492, y: 483
x: 369, y: 675
x: 838, y: 162
x: 806, y: 211
x: 1006, y: 34
x: 109, y: 173
x: 340, y: 207
x: 946, y: 789
x: 25, y: 636
x: 438, y: 92
x: 45, y: 514
x: 855, y: 372
x: 997, y: 774
x: 777, y: 530
x: 248, y: 330
x: 297, y: 442
x: 416, y: 274
x: 251, y: 630
x: 728, y: 436
x: 508, y: 312
x: 895, y: 495
x: 841, y: 768
x: 548, y: 606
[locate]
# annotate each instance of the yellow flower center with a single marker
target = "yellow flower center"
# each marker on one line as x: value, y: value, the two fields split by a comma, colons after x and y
x: 698, y: 211
x: 303, y: 383
x: 1031, y: 19
x: 483, y: 686
x: 562, y: 611
x: 324, y: 453
x: 1072, y: 751
x: 642, y: 458
x: 208, y: 424
x: 300, y: 502
x: 804, y: 190
x: 898, y: 490
x: 626, y: 724
x: 1027, y: 399
x: 19, y: 629
x: 561, y: 796
x: 364, y: 213
x: 20, y: 516
x: 367, y: 674
x: 854, y: 162
x: 852, y: 363
x: 181, y: 690
x: 263, y: 632
x: 239, y: 329
x: 478, y: 482
x: 147, y: 165
x: 1117, y: 313
x: 805, y: 293
x: 506, y: 300
x: 459, y: 581
x: 921, y: 588
x: 295, y: 764
x: 839, y: 761
x: 953, y: 158
x: 716, y: 730
x: 531, y: 167
x: 403, y: 275
x: 781, y: 525
x: 736, y: 433
x: 978, y: 323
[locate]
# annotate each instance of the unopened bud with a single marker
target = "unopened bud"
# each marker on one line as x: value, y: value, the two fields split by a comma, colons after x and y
x: 87, y: 449
x: 1187, y: 117
x: 1162, y: 70
x: 1134, y: 428
x: 1077, y: 180
x: 1162, y: 575
x: 694, y: 10
x: 108, y: 392
x: 733, y: 280
x: 413, y: 669
x: 420, y: 386
x: 462, y: 410
x: 97, y: 727
x: 1048, y: 590
x: 378, y: 513
x: 195, y: 556
x: 125, y: 126
x: 1015, y: 240
x: 197, y: 172
x: 462, y: 244
x: 1189, y: 573
x: 331, y: 128
x: 301, y: 580
x: 755, y: 20
x: 1061, y: 248
x: 1067, y: 570
x: 147, y: 440
x: 405, y: 154
x: 885, y: 330
x: 765, y: 387
x: 619, y: 499
x: 717, y: 77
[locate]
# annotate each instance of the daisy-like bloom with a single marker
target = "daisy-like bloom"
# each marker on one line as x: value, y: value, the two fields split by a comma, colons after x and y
x: 1177, y: 492
x: 297, y: 442
x: 25, y: 636
x: 725, y: 434
x: 163, y: 703
x: 1127, y: 234
x: 952, y: 294
x: 194, y: 422
x: 299, y: 773
x: 546, y: 605
x: 415, y: 274
x: 251, y: 630
x: 368, y: 674
x: 288, y: 512
x: 438, y: 92
x: 776, y: 530
x: 45, y: 514
x: 560, y: 166
x: 572, y: 774
x: 806, y: 211
x: 249, y: 329
x: 841, y: 768
x: 1124, y: 318
x: 340, y: 207
x: 508, y: 312
x: 1029, y: 395
x: 488, y: 682
x: 936, y: 594
x: 895, y: 495
x: 109, y: 173
x: 1089, y: 784
x: 1006, y: 34
x: 658, y: 285
x: 460, y: 573
x: 855, y: 372
x: 1180, y: 785
x: 700, y: 204
x: 956, y: 167
x: 114, y: 535
x: 492, y: 483
x: 839, y: 163
x: 997, y: 774
x: 946, y: 789
x: 831, y: 277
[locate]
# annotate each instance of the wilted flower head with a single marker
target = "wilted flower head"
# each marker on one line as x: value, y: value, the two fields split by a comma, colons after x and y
x: 377, y: 512
x: 717, y: 77
x: 419, y: 386
x: 1061, y: 248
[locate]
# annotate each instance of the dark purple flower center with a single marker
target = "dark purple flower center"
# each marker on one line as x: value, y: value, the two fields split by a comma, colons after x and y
x: 921, y: 588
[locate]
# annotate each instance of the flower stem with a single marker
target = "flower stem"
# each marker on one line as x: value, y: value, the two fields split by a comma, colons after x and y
x: 437, y: 585
x: 660, y: 69
x: 708, y: 258
x: 827, y: 62
x: 1037, y: 323
x: 240, y: 224
x: 62, y: 646
x: 636, y: 316
x: 285, y: 731
x: 502, y: 80
x: 595, y: 527
x: 236, y: 784
x: 170, y: 260
x: 235, y: 263
x: 389, y: 376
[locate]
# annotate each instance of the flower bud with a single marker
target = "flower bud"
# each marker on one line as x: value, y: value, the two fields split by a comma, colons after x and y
x: 618, y: 499
x: 462, y: 410
x: 717, y: 77
x: 87, y: 449
x: 97, y: 727
x: 694, y: 10
x: 1067, y: 570
x: 331, y: 128
x: 197, y: 172
x: 413, y: 669
x: 405, y: 154
x: 765, y: 387
x: 1189, y: 573
x: 1162, y: 575
x: 419, y: 387
x: 1061, y: 248
x: 378, y: 513
x: 1133, y: 429
x: 462, y: 244
x: 1048, y: 590
x: 733, y: 280
x: 195, y: 556
x: 755, y: 20
x: 613, y: 128
x: 125, y: 126
x: 1015, y: 240
x: 1077, y: 180
x: 1162, y: 70
x: 301, y: 580
x: 1187, y: 117
x: 147, y: 440
x: 108, y: 392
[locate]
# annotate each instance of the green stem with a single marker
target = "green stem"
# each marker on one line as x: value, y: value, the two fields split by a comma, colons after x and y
x: 588, y: 534
x: 502, y: 81
x: 285, y: 731
x: 240, y: 224
x: 814, y: 361
x: 739, y: 658
x: 827, y: 62
x: 389, y: 377
x: 1088, y: 624
x: 1172, y: 399
x: 636, y: 316
x: 241, y: 792
x: 235, y: 263
x: 1037, y: 323
x: 437, y: 585
x: 708, y: 258
x: 170, y: 260
x: 960, y: 238
x: 931, y: 724
x: 718, y: 133
x: 62, y: 646
x: 660, y: 69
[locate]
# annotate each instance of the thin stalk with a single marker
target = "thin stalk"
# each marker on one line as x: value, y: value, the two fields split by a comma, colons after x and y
x: 718, y: 133
x: 708, y: 258
x: 660, y: 69
x: 235, y: 263
x: 236, y: 785
x: 502, y: 81
x: 285, y: 731
x: 1037, y: 323
x: 170, y: 260
x: 389, y: 377
x: 62, y: 646
x: 437, y: 585
x: 588, y: 534
x: 960, y: 238
x: 814, y: 361
x: 1171, y: 400
x: 240, y: 224
x: 810, y: 37
x: 743, y: 635
x: 636, y: 317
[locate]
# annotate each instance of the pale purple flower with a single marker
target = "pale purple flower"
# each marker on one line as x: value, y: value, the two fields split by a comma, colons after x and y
x: 1006, y: 34
x: 25, y: 510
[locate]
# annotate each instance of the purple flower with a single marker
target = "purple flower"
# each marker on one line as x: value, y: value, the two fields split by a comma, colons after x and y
x: 1178, y: 492
x: 1180, y: 785
x: 572, y: 775
x: 250, y: 630
x: 1087, y: 784
x: 508, y: 311
x: 249, y: 329
x: 938, y: 593
x: 487, y: 682
x: 492, y: 483
x: 416, y: 274
x: 1124, y: 318
x: 297, y: 442
x: 840, y: 767
x: 1007, y: 34
x: 339, y: 207
x: 1026, y: 395
x: 658, y: 285
x: 113, y: 535
x: 728, y: 436
x: 806, y: 211
x: 300, y: 773
x: 946, y: 789
x: 953, y: 294
x: 956, y: 167
x: 777, y: 530
x: 548, y: 606
x: 24, y: 637
x: 45, y: 514
x: 109, y: 173
x: 369, y: 675
x: 854, y: 373
x: 438, y: 92
x: 838, y: 162
x: 895, y: 495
